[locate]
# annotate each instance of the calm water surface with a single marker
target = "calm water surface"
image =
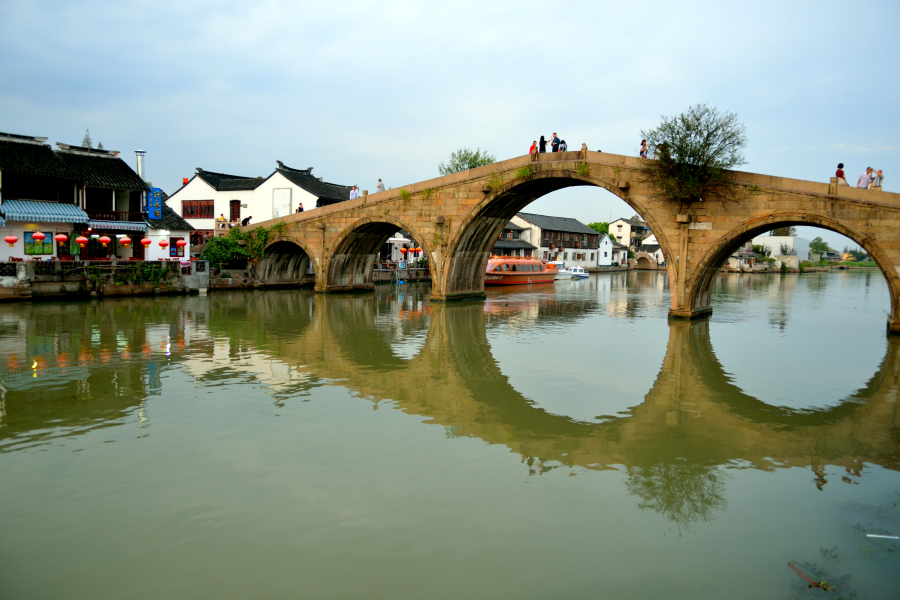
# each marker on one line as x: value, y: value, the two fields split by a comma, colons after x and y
x: 562, y: 441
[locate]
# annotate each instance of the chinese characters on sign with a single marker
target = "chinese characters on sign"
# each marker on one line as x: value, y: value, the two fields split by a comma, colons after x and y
x: 154, y: 203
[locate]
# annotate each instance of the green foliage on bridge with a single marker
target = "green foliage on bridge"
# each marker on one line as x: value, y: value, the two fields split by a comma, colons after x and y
x: 239, y: 246
x: 465, y: 159
x: 693, y: 152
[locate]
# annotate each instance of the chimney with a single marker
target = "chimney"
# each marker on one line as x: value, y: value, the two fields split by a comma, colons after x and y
x: 140, y: 162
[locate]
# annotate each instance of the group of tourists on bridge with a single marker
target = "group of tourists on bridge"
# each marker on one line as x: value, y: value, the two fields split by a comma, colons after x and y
x: 556, y: 145
x: 871, y: 179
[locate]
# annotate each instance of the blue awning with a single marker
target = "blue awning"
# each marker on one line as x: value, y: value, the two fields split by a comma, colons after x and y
x: 2, y: 222
x: 118, y: 225
x: 44, y: 212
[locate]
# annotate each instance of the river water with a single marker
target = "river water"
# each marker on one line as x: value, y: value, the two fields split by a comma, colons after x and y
x: 561, y: 441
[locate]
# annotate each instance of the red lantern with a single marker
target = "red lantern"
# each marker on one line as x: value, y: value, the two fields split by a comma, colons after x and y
x: 10, y: 239
x: 146, y: 242
x: 104, y: 240
x: 38, y: 236
x: 181, y: 243
x: 81, y: 240
x: 163, y: 244
x: 61, y: 238
x: 402, y: 250
x: 125, y: 240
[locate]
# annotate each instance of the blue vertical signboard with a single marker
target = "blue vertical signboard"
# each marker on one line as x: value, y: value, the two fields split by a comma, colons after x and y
x: 154, y: 203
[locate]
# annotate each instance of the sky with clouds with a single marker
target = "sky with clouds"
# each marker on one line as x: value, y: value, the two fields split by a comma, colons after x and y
x: 361, y: 90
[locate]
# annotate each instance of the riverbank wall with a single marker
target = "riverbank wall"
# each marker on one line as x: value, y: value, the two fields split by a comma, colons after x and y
x: 78, y: 280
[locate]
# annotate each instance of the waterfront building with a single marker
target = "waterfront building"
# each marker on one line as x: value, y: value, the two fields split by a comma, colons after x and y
x: 778, y: 243
x: 72, y: 191
x: 620, y: 254
x: 606, y: 250
x: 510, y: 242
x: 113, y: 197
x: 629, y: 232
x: 214, y: 202
x: 171, y: 228
x: 560, y: 238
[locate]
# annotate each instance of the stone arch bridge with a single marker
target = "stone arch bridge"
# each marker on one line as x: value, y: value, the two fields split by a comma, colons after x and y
x: 457, y: 218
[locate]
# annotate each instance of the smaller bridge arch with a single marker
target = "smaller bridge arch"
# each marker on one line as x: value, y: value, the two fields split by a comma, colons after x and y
x: 700, y: 286
x: 349, y: 266
x: 287, y: 261
x: 644, y: 260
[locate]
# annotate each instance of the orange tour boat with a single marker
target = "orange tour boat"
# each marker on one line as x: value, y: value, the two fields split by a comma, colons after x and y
x: 512, y: 270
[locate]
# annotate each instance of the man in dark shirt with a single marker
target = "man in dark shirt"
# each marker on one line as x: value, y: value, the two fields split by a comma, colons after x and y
x: 555, y: 142
x: 246, y: 222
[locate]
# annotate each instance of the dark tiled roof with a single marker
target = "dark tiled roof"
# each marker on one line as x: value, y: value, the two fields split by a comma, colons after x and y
x: 101, y: 169
x: 648, y: 248
x: 31, y: 158
x: 563, y: 224
x: 222, y: 182
x: 633, y: 223
x: 513, y: 227
x: 170, y: 220
x: 620, y: 246
x: 314, y: 185
x: 513, y: 244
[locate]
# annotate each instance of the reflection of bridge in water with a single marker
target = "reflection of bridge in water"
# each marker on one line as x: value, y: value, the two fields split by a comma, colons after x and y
x: 434, y: 361
x: 703, y: 417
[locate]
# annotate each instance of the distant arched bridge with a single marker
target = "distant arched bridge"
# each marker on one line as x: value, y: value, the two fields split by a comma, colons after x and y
x: 457, y: 218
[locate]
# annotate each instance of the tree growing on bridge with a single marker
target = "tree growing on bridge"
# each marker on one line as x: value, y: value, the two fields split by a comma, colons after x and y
x: 694, y: 151
x: 784, y: 231
x: 465, y: 159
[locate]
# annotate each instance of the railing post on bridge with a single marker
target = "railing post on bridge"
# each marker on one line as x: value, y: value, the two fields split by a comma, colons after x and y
x: 365, y: 193
x: 583, y: 152
x: 832, y: 186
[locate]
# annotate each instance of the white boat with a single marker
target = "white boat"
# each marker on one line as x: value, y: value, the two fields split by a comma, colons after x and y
x: 577, y: 272
x: 562, y: 274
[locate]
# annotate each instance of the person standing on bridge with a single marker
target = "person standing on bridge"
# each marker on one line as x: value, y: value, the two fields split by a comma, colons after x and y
x: 877, y: 179
x: 644, y: 148
x: 300, y: 208
x: 379, y: 187
x: 353, y: 193
x: 533, y: 149
x: 563, y: 146
x: 543, y: 144
x: 840, y: 175
x: 554, y: 143
x: 246, y: 222
x: 865, y: 179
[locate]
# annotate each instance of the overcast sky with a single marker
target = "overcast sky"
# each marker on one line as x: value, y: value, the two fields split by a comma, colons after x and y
x: 362, y: 90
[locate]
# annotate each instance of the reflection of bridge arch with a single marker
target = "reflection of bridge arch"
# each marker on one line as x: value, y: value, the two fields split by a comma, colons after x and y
x: 470, y: 248
x: 349, y: 266
x: 700, y: 287
x: 454, y: 381
x: 359, y: 340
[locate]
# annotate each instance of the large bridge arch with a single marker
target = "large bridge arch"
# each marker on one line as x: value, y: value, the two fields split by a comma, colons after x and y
x: 470, y: 248
x: 700, y: 285
x: 349, y: 265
